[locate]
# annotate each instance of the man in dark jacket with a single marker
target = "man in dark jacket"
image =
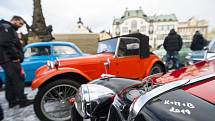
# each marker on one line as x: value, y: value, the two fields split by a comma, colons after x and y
x: 11, y: 55
x: 172, y: 44
x: 198, y: 42
x: 197, y: 45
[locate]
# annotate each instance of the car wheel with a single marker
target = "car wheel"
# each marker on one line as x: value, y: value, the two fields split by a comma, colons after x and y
x: 52, y: 100
x: 157, y: 68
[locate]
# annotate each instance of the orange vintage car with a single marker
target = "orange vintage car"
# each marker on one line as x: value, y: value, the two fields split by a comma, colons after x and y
x: 125, y: 56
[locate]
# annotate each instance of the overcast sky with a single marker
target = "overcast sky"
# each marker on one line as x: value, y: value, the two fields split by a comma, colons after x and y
x: 99, y: 14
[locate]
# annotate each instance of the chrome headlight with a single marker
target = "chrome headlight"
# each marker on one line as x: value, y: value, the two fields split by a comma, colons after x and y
x: 50, y: 64
x: 53, y: 64
x: 89, y: 97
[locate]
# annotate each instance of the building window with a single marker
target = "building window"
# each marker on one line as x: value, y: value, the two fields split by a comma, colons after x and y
x: 202, y: 30
x: 165, y: 28
x: 142, y: 28
x: 141, y: 22
x: 133, y: 25
x: 161, y: 36
x: 160, y: 28
x: 124, y: 29
x: 171, y: 27
x: 117, y: 31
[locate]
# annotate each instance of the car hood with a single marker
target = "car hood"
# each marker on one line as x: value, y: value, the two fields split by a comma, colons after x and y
x: 202, y: 68
x: 204, y: 90
x: 85, y: 59
x: 115, y: 84
x: 178, y: 105
x: 78, y: 62
x: 194, y: 102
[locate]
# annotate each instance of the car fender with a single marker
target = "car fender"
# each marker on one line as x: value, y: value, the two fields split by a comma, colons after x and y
x: 152, y: 63
x: 38, y: 81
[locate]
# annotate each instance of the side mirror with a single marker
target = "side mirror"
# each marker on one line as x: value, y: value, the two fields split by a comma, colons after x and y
x: 206, y: 48
x: 53, y: 64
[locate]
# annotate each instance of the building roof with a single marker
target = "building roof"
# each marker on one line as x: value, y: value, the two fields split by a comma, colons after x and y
x: 163, y: 18
x: 130, y: 14
x: 140, y: 14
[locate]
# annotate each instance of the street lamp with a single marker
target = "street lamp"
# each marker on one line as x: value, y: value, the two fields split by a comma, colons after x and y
x: 151, y: 31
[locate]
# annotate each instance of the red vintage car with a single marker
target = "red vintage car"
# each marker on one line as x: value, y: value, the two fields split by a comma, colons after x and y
x: 125, y: 56
x: 187, y: 94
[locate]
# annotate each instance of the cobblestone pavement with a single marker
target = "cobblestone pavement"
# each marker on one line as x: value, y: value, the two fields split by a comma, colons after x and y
x: 18, y: 114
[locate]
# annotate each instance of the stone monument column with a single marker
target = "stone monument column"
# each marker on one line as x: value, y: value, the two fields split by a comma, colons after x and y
x: 39, y: 30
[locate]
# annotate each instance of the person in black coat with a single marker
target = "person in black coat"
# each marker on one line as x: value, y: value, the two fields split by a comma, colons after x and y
x: 11, y: 55
x: 198, y: 42
x: 172, y: 44
x: 197, y: 46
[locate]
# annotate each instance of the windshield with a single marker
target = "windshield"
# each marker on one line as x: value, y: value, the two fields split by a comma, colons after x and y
x: 211, y: 46
x: 107, y: 46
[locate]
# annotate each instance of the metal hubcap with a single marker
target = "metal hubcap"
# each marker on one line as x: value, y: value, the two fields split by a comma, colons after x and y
x: 55, y: 102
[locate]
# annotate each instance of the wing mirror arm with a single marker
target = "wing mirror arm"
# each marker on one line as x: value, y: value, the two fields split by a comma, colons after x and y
x: 206, y: 48
x: 107, y: 65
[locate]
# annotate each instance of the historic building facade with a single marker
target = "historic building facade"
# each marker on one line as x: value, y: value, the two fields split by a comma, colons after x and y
x: 188, y: 28
x: 156, y: 27
x: 104, y: 35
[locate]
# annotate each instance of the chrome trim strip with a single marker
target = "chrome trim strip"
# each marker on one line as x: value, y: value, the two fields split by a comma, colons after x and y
x: 117, y: 47
x: 211, y: 58
x: 201, y: 78
x: 137, y: 105
x: 88, y: 93
x: 94, y: 91
x: 118, y: 107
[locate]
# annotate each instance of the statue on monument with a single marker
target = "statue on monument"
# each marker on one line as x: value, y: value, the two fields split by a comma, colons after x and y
x: 38, y: 30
